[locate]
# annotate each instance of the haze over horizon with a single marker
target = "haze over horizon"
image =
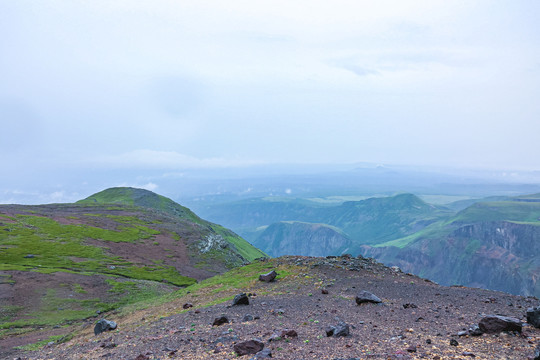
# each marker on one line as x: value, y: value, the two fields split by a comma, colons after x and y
x: 131, y: 87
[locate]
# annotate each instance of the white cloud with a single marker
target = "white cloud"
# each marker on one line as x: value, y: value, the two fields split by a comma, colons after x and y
x: 153, y: 159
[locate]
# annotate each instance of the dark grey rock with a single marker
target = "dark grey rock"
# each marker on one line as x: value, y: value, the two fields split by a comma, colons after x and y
x: 329, y: 330
x: 268, y: 276
x: 493, y: 324
x: 474, y: 330
x: 533, y: 316
x: 454, y: 342
x: 241, y: 299
x: 220, y: 321
x: 367, y: 297
x: 410, y: 306
x: 537, y: 353
x: 248, y: 317
x: 252, y: 346
x: 341, y: 329
x: 263, y: 354
x: 104, y: 325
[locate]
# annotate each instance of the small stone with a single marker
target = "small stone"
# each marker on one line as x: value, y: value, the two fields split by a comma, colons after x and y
x: 474, y: 330
x: 187, y: 306
x: 454, y: 342
x: 411, y: 349
x: 29, y: 256
x: 324, y: 291
x: 428, y: 341
x: 410, y: 306
x: 533, y: 316
x: 268, y: 276
x: 104, y: 325
x: 252, y: 346
x: 220, y: 321
x: 367, y: 297
x: 329, y: 330
x: 241, y: 299
x: 341, y: 329
x: 248, y: 317
x: 263, y: 354
x: 462, y: 333
x: 467, y: 353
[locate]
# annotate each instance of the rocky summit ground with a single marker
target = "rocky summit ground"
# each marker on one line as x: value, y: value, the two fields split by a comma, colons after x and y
x: 417, y: 319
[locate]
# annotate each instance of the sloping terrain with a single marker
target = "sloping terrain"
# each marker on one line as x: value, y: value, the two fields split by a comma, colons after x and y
x: 62, y: 263
x: 493, y: 245
x: 417, y: 319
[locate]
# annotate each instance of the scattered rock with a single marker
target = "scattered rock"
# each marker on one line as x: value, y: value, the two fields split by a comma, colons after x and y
x: 187, y: 306
x: 252, y: 346
x: 533, y: 316
x: 285, y: 333
x: 468, y: 353
x: 411, y: 349
x: 142, y: 357
x: 241, y: 299
x: 341, y: 329
x: 220, y: 321
x: 493, y: 324
x: 104, y: 325
x: 410, y: 306
x: 268, y: 276
x: 367, y: 297
x: 263, y: 354
x: 463, y: 333
x: 248, y: 317
x: 454, y: 342
x: 324, y: 291
x: 474, y: 330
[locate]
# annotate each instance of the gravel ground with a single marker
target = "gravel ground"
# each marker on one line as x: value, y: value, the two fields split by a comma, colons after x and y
x: 417, y: 319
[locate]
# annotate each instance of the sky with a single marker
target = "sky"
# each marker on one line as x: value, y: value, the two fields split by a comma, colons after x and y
x: 166, y: 86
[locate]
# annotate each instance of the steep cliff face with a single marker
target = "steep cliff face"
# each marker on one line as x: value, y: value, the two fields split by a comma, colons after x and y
x: 285, y: 238
x: 499, y: 255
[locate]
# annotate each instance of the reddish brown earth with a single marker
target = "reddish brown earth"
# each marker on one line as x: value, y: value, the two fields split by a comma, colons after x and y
x: 383, y: 331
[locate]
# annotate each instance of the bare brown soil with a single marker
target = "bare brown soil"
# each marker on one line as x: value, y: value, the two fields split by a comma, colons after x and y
x: 385, y: 331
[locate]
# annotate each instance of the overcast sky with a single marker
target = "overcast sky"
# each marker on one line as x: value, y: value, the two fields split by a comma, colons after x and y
x: 170, y: 85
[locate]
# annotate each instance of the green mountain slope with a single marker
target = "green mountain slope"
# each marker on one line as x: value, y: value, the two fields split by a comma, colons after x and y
x: 494, y: 245
x: 61, y: 263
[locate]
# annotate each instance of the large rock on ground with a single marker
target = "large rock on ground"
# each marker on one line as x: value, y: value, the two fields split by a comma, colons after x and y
x: 364, y: 297
x: 268, y: 276
x: 104, y: 325
x: 533, y: 316
x: 252, y: 346
x: 241, y: 299
x: 493, y: 324
x: 220, y: 321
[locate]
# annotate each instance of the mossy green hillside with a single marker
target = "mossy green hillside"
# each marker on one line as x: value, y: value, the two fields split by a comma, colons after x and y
x: 42, y: 244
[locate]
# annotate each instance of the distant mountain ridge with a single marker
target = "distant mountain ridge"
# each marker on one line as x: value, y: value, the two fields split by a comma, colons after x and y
x: 494, y: 245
